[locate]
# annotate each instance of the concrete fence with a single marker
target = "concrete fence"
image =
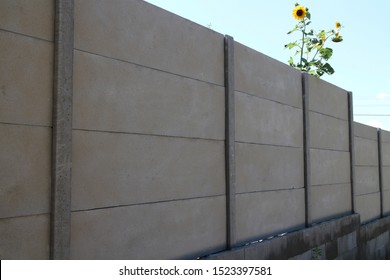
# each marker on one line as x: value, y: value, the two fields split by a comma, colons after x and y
x: 127, y: 132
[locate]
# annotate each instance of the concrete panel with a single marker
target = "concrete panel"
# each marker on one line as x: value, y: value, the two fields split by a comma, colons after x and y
x: 386, y: 202
x: 170, y: 230
x: 262, y: 214
x: 329, y: 167
x: 26, y: 76
x: 365, y: 131
x: 25, y: 238
x: 331, y: 201
x: 386, y: 178
x: 25, y: 163
x: 347, y: 243
x: 328, y: 133
x: 147, y: 35
x: 366, y: 180
x: 368, y: 206
x: 259, y: 168
x: 386, y: 153
x: 116, y: 96
x: 119, y: 169
x: 330, y: 237
x: 386, y: 136
x: 327, y: 99
x: 33, y: 18
x: 366, y: 152
x: 266, y: 122
x: 376, y: 248
x: 258, y: 74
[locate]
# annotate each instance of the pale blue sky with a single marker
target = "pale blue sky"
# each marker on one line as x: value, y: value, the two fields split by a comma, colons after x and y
x: 361, y: 61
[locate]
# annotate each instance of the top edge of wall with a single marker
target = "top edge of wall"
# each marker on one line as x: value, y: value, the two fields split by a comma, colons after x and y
x: 181, y: 17
x: 141, y: 33
x: 385, y: 136
x: 261, y: 75
x: 365, y: 131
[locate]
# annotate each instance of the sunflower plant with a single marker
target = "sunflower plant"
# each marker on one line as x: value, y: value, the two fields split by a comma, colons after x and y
x: 313, y: 55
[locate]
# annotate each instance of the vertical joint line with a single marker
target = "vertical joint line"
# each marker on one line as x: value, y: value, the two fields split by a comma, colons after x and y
x: 306, y: 149
x: 62, y: 130
x: 380, y: 164
x: 230, y: 141
x: 351, y: 149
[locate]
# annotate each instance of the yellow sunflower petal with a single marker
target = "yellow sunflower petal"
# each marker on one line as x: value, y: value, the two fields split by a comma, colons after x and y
x: 299, y: 12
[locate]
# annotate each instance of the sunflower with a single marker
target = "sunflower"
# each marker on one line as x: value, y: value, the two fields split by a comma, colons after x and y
x: 299, y: 12
x: 338, y: 25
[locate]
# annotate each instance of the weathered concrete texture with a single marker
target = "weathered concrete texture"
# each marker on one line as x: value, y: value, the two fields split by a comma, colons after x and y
x: 328, y: 132
x: 267, y: 122
x: 169, y: 230
x: 327, y: 99
x: 62, y: 130
x: 386, y: 202
x: 374, y: 242
x: 368, y: 206
x: 118, y: 169
x: 367, y: 180
x: 25, y: 238
x: 260, y: 75
x: 385, y: 136
x: 112, y: 95
x: 365, y: 131
x: 24, y: 170
x: 386, y: 178
x: 265, y: 213
x: 34, y: 18
x: 259, y: 167
x: 329, y: 201
x: 329, y: 167
x: 26, y: 83
x: 230, y: 139
x: 329, y: 240
x: 366, y: 152
x: 144, y: 34
x: 385, y: 153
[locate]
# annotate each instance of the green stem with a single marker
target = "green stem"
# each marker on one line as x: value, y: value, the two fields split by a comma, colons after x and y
x: 303, y: 41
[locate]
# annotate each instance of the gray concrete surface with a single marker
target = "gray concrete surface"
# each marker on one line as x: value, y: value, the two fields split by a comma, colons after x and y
x: 166, y: 230
x: 262, y: 214
x: 149, y: 155
x: 141, y: 33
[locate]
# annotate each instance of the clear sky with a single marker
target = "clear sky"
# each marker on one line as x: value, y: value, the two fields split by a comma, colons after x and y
x: 361, y: 61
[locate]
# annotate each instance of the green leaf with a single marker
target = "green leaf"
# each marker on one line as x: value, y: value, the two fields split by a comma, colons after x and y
x: 310, y: 33
x: 315, y: 41
x: 291, y: 61
x: 326, y: 53
x: 291, y: 45
x: 295, y: 29
x: 308, y: 15
x: 328, y: 69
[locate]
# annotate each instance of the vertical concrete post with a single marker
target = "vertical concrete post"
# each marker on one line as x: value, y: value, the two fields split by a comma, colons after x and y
x: 62, y: 130
x: 351, y: 149
x: 306, y: 149
x: 380, y: 168
x: 230, y: 156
